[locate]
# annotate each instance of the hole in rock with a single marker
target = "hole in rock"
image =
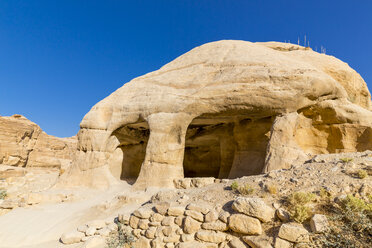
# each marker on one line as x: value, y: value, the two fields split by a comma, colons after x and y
x: 125, y: 162
x: 226, y: 146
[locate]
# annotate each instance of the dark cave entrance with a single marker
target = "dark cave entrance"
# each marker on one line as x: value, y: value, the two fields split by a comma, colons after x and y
x: 226, y: 146
x: 129, y: 155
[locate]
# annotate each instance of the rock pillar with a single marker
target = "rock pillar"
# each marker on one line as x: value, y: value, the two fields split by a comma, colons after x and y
x: 282, y: 150
x: 227, y: 150
x: 165, y: 150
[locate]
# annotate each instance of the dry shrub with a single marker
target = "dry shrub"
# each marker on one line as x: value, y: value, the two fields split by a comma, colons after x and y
x: 234, y: 185
x: 350, y: 224
x: 297, y: 205
x: 301, y: 198
x: 324, y: 194
x: 272, y: 189
x: 300, y: 213
x: 120, y: 239
x: 246, y: 189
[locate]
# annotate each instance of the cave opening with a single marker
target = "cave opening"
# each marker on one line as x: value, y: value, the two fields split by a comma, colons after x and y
x: 226, y: 146
x: 126, y: 160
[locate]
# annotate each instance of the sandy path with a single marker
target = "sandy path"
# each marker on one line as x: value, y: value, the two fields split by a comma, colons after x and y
x: 42, y: 225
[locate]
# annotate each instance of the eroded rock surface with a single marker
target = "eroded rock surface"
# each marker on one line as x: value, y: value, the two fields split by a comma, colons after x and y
x: 225, y: 109
x: 24, y: 144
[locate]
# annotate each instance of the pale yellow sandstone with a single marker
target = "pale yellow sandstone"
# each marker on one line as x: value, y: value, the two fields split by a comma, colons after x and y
x: 262, y: 106
x: 241, y: 223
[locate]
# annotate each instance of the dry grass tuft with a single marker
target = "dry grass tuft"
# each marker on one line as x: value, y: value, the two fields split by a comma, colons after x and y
x: 272, y: 189
x: 297, y: 205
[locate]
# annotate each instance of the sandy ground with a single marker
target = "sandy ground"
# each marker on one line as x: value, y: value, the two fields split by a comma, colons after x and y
x: 41, y: 225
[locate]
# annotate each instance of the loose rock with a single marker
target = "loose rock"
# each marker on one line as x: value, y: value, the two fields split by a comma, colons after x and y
x: 72, y: 237
x: 143, y: 213
x: 241, y: 223
x: 211, y: 216
x: 133, y: 221
x: 95, y: 242
x: 176, y: 211
x: 258, y: 242
x: 294, y: 233
x: 211, y: 236
x: 97, y: 224
x: 190, y: 225
x: 282, y: 214
x: 281, y: 243
x: 216, y: 226
x: 237, y: 243
x: 254, y: 207
x: 319, y: 223
x: 202, y: 208
x: 194, y: 214
x: 162, y: 207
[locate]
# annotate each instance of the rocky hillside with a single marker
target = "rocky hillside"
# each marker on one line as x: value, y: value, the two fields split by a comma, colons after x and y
x: 24, y: 144
x: 325, y: 202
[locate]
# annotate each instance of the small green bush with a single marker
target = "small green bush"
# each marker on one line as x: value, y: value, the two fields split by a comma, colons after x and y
x: 350, y: 224
x: 300, y: 213
x: 3, y: 194
x: 297, y: 207
x: 354, y: 204
x: 234, y: 185
x: 324, y: 194
x: 357, y: 213
x: 362, y: 174
x: 346, y: 160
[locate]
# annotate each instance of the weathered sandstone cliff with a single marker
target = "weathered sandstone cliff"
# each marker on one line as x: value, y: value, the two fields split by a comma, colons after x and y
x: 225, y: 109
x: 24, y: 144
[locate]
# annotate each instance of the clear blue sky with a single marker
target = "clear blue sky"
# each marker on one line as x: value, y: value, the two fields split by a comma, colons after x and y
x: 59, y: 58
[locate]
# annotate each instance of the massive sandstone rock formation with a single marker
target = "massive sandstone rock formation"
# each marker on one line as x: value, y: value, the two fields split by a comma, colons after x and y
x: 23, y: 143
x: 225, y: 109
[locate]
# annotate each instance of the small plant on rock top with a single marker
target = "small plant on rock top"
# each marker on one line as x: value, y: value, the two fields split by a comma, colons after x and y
x: 346, y: 160
x: 3, y: 194
x: 362, y: 174
x: 234, y: 185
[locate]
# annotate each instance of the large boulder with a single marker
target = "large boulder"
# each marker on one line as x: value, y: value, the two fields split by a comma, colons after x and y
x: 225, y: 109
x: 24, y: 144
